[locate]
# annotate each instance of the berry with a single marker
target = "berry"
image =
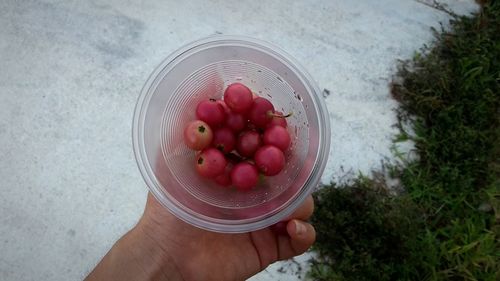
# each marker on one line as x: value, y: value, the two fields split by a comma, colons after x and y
x: 261, y: 112
x: 211, y: 112
x: 198, y: 135
x: 224, y: 179
x: 244, y: 176
x: 277, y: 136
x: 210, y: 163
x: 238, y: 97
x: 270, y: 160
x: 235, y: 121
x: 224, y: 139
x: 248, y: 142
x: 224, y: 106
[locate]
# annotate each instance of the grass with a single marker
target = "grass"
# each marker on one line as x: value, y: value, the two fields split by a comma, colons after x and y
x: 444, y: 222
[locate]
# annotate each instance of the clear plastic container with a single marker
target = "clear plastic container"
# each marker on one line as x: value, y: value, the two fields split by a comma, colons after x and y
x: 202, y: 70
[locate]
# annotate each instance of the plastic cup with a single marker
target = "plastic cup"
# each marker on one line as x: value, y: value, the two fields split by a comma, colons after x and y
x: 202, y: 70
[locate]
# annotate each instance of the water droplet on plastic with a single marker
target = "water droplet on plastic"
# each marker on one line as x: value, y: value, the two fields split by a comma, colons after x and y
x: 299, y: 97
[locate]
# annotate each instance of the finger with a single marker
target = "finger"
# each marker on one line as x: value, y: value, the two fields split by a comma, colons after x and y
x: 301, y: 237
x: 305, y: 210
x: 265, y: 243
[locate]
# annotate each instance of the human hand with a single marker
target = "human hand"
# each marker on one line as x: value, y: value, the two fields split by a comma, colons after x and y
x: 162, y: 247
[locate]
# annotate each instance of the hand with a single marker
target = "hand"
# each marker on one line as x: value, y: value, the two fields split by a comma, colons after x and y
x: 162, y: 247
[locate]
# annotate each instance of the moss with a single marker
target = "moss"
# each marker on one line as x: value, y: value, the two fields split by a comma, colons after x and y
x: 445, y: 225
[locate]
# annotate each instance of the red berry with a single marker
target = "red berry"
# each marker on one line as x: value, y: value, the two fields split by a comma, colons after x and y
x: 238, y: 97
x: 248, y: 142
x: 261, y: 112
x: 198, y: 135
x: 277, y: 120
x: 277, y: 136
x: 211, y: 112
x: 224, y: 139
x: 244, y: 176
x: 224, y: 105
x: 210, y: 163
x: 270, y: 160
x: 224, y: 179
x: 235, y: 121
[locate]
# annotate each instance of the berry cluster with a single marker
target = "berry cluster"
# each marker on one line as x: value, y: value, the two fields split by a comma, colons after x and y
x: 238, y: 137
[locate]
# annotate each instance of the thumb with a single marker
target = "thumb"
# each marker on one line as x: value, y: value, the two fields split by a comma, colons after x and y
x: 301, y: 236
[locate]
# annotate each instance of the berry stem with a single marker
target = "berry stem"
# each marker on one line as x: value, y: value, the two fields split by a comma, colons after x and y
x: 283, y: 116
x: 271, y: 114
x: 234, y: 157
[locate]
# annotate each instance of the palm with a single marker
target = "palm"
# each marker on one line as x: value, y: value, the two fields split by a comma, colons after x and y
x: 216, y: 256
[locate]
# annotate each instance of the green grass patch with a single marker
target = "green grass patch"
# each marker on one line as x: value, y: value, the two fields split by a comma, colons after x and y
x: 444, y: 223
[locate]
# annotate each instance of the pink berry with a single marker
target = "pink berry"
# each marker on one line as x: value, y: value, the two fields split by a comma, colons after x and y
x: 235, y: 121
x: 244, y: 176
x: 224, y: 139
x: 270, y: 160
x: 198, y: 135
x: 261, y: 112
x: 224, y: 105
x: 278, y: 120
x: 210, y: 163
x: 277, y: 136
x: 238, y: 97
x: 211, y: 112
x: 248, y: 142
x: 224, y: 179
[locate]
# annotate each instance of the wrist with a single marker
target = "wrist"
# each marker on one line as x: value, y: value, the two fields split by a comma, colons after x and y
x: 136, y: 256
x: 150, y: 258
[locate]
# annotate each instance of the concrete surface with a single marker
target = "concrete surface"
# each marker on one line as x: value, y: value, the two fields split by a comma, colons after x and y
x: 70, y: 73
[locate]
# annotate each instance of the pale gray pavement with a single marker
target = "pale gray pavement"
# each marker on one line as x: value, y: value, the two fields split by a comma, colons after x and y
x: 70, y: 73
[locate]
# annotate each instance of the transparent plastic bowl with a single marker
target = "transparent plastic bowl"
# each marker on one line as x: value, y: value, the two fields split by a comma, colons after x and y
x: 202, y: 70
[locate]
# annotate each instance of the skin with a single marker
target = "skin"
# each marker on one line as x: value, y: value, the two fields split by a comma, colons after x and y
x: 162, y: 247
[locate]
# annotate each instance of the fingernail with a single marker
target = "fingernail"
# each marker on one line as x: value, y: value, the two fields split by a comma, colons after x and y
x: 300, y: 228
